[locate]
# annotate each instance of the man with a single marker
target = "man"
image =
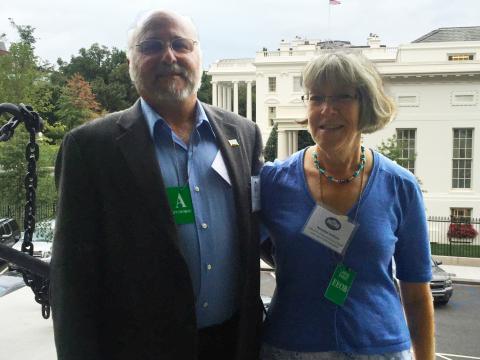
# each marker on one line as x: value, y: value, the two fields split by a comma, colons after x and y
x: 156, y: 247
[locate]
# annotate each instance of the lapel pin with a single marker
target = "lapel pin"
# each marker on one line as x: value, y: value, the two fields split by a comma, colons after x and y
x: 233, y: 142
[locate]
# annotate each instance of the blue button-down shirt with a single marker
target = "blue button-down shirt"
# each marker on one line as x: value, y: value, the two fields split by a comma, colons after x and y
x: 210, y: 244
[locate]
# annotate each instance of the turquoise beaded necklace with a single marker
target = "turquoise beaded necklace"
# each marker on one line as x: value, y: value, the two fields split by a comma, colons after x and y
x: 355, y: 174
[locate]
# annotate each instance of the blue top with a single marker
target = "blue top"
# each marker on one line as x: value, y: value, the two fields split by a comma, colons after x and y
x: 392, y: 223
x: 209, y: 245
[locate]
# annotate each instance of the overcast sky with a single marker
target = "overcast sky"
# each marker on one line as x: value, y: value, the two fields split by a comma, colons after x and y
x: 234, y: 29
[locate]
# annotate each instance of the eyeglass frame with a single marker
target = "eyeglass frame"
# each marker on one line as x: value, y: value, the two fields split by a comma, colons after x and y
x: 169, y: 42
x: 340, y: 99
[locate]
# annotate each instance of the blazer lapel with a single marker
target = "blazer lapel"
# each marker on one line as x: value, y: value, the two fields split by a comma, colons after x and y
x: 239, y: 172
x: 138, y: 149
x: 232, y: 152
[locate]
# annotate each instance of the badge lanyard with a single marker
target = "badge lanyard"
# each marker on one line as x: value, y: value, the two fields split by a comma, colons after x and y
x: 179, y: 197
x: 343, y: 277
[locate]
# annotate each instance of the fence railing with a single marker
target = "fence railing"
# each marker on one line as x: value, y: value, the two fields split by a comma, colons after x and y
x: 449, y: 237
x: 44, y: 211
x: 454, y: 237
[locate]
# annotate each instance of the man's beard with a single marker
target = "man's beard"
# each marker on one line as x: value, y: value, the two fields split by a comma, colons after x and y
x: 169, y: 91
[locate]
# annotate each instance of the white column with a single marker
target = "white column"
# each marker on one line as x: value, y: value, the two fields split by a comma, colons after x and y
x: 282, y: 151
x: 219, y: 95
x: 229, y: 98
x: 235, y: 97
x: 214, y: 93
x: 289, y: 142
x: 249, y: 100
x: 292, y: 142
x: 224, y: 96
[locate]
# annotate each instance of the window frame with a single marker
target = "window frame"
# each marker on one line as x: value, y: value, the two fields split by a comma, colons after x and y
x: 272, y: 84
x: 459, y: 162
x: 409, y: 161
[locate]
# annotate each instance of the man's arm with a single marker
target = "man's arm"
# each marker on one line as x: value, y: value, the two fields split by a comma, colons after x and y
x: 75, y: 270
x: 418, y: 305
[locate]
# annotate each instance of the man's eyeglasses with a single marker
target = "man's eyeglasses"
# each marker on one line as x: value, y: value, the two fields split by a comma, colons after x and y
x: 340, y: 99
x: 156, y: 46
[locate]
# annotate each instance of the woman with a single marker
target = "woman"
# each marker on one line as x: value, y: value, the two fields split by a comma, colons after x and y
x: 338, y: 214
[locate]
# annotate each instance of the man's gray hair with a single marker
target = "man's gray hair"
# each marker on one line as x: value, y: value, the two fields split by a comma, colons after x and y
x: 136, y: 30
x: 352, y: 69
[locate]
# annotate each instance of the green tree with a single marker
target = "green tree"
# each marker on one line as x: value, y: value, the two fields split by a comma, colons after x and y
x: 107, y: 72
x: 390, y: 149
x: 77, y: 103
x: 23, y: 79
x: 270, y: 150
x: 205, y: 92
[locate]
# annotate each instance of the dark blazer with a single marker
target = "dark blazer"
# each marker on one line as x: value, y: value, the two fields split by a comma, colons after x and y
x: 120, y: 289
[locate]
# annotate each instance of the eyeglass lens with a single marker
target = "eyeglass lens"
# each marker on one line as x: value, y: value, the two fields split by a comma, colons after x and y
x: 179, y: 45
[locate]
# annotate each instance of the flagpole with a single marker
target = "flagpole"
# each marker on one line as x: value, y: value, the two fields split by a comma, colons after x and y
x: 328, y: 29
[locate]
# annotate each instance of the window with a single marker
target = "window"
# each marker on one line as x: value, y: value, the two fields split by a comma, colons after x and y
x: 460, y: 57
x: 272, y: 84
x: 462, y: 158
x: 407, y: 100
x: 461, y: 215
x: 464, y: 98
x: 272, y: 114
x: 406, y: 145
x: 297, y: 83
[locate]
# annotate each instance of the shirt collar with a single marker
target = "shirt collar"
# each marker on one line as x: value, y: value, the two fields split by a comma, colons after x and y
x: 151, y: 116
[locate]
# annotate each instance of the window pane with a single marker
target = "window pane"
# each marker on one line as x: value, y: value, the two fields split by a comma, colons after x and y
x: 406, y: 145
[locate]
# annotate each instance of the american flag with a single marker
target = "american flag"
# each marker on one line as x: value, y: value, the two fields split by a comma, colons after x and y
x: 334, y: 2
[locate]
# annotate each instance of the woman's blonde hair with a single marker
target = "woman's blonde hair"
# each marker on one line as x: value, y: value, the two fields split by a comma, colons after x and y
x: 352, y: 69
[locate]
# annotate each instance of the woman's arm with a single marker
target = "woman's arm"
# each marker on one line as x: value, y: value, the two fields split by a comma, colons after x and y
x: 418, y: 305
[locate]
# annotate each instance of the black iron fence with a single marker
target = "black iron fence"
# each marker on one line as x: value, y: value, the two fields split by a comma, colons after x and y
x: 448, y: 237
x: 44, y: 211
x: 454, y: 237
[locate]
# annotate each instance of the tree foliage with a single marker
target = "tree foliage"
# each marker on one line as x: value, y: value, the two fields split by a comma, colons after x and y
x: 390, y: 148
x: 77, y: 103
x: 107, y: 72
x: 270, y: 151
x: 205, y: 92
x: 23, y: 79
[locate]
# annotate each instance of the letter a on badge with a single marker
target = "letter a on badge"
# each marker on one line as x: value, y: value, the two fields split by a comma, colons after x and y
x: 180, y: 201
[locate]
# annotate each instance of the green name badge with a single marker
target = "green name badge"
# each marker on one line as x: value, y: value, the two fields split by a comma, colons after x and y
x: 340, y: 284
x: 180, y: 201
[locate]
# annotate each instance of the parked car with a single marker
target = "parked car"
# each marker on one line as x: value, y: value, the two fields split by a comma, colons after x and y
x: 42, y: 240
x: 9, y: 282
x: 9, y: 231
x: 441, y: 284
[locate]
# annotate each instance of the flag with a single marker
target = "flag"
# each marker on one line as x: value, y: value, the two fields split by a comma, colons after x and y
x: 334, y: 2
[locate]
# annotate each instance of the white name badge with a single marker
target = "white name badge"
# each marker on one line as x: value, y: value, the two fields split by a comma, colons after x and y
x: 329, y: 229
x: 255, y: 193
x: 219, y: 166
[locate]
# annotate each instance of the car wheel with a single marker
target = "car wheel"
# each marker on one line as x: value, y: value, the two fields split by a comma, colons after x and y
x: 442, y: 301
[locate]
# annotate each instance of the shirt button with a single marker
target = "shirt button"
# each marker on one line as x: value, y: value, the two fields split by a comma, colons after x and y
x: 196, y: 188
x: 204, y: 226
x: 205, y: 304
x: 209, y: 266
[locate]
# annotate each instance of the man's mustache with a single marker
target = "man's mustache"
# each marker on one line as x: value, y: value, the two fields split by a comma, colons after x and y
x: 169, y: 69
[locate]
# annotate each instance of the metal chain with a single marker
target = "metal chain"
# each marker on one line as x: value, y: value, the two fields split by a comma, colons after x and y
x: 32, y: 121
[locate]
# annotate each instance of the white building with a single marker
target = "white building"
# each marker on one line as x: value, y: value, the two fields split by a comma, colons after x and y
x: 435, y: 81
